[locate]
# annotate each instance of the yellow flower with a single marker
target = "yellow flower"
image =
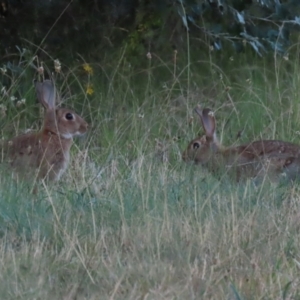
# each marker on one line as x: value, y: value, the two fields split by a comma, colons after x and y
x: 89, y: 90
x: 88, y: 69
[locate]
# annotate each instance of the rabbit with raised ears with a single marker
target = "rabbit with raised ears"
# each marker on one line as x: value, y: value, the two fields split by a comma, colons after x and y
x: 47, y: 152
x: 252, y: 160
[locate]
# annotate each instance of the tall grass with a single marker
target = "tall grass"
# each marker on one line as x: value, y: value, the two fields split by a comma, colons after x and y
x: 130, y: 220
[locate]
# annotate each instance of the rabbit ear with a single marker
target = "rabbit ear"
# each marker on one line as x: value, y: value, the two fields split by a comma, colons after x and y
x: 208, y: 121
x: 46, y: 93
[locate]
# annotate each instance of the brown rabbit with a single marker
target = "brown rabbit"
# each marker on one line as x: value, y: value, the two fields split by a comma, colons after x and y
x: 255, y: 159
x: 46, y: 153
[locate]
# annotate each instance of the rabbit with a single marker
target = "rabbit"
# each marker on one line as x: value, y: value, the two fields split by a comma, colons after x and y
x: 46, y: 153
x: 253, y: 160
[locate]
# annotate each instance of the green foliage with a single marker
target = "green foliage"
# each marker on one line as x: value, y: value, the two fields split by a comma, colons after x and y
x: 263, y: 25
x: 93, y: 27
x: 130, y: 220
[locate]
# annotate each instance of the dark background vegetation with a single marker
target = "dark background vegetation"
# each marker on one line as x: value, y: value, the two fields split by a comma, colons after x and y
x: 93, y: 28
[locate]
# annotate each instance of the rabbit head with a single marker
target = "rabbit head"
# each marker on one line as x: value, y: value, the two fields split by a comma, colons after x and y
x: 60, y: 121
x: 202, y: 148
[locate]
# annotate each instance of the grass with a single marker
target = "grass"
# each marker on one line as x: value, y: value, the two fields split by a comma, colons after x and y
x: 130, y: 220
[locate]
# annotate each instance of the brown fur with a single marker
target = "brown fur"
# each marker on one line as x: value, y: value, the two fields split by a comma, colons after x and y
x: 46, y: 153
x: 256, y: 159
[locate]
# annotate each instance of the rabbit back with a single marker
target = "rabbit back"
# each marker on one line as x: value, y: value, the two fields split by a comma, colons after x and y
x: 43, y: 156
x: 271, y: 157
x: 256, y: 159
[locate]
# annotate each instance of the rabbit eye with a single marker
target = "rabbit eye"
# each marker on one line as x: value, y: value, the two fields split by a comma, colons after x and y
x: 69, y: 116
x: 196, y: 145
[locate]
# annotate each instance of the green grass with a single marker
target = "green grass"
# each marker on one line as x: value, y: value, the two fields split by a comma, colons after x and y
x: 130, y: 220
